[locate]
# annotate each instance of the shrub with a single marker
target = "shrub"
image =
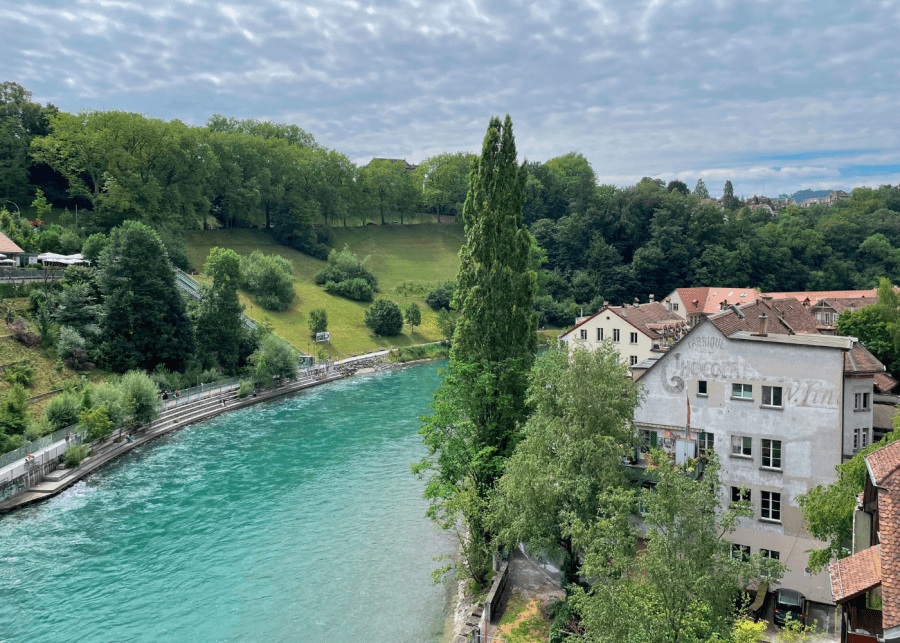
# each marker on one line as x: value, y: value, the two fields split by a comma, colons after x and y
x: 413, y: 315
x: 355, y: 289
x: 19, y: 330
x: 245, y: 389
x: 75, y: 454
x: 62, y: 410
x: 274, y: 359
x: 21, y: 373
x: 440, y: 297
x: 345, y: 267
x: 37, y: 428
x: 269, y: 279
x: 69, y: 341
x: 384, y: 318
x: 318, y: 321
x: 109, y: 395
x: 14, y: 411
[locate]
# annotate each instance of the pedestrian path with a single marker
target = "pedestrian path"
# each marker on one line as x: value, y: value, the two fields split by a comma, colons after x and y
x: 169, y: 420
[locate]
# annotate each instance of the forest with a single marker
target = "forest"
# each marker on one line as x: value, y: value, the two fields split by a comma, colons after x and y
x: 593, y: 242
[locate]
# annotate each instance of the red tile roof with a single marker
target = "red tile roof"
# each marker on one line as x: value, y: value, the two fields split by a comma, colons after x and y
x: 7, y: 246
x: 855, y: 574
x: 711, y: 299
x: 883, y: 462
x: 840, y: 304
x: 815, y: 296
x: 860, y: 360
x: 650, y: 318
x: 884, y: 382
x: 786, y: 317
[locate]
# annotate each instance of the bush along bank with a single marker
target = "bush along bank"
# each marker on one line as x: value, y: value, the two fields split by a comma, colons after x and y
x: 440, y: 350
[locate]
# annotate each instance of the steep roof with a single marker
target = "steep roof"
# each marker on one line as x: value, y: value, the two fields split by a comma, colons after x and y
x: 860, y: 360
x: 8, y: 246
x: 883, y: 462
x: 840, y: 304
x: 712, y: 299
x: 814, y: 296
x: 786, y: 317
x: 884, y: 382
x: 651, y: 319
x: 882, y: 466
x: 855, y: 574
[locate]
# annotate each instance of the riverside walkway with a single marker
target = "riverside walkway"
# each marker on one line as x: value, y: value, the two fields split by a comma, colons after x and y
x: 169, y: 420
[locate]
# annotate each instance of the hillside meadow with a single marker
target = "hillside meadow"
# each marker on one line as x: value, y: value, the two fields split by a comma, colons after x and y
x: 408, y: 260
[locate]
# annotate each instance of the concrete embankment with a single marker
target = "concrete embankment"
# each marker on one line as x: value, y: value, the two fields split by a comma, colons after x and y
x: 54, y: 482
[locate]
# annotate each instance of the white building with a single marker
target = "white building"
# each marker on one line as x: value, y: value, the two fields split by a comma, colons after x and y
x: 634, y: 331
x: 781, y: 410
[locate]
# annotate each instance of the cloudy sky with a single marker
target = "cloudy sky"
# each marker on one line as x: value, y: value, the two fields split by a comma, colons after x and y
x: 777, y: 96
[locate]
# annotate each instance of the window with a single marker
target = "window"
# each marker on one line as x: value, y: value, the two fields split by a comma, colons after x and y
x: 741, y: 552
x: 771, y: 554
x: 674, y: 306
x: 741, y: 446
x: 584, y: 333
x: 633, y: 360
x: 771, y: 454
x: 740, y: 494
x: 701, y: 387
x: 770, y: 506
x: 742, y: 391
x: 599, y: 334
x: 861, y: 402
x: 860, y: 439
x: 616, y: 335
x: 634, y: 338
x: 771, y: 396
x: 649, y: 439
x: 707, y: 441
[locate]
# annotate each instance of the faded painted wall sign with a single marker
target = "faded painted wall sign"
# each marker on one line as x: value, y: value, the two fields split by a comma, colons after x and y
x: 724, y: 367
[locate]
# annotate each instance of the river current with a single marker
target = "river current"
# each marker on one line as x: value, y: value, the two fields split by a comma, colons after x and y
x: 293, y: 520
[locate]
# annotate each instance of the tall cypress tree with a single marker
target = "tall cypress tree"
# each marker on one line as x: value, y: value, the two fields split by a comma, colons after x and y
x: 480, y: 405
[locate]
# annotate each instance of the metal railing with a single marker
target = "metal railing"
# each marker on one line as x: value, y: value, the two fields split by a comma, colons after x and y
x: 193, y: 289
x: 37, y: 445
x: 199, y: 392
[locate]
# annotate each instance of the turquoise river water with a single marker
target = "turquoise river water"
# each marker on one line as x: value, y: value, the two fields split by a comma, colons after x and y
x: 294, y: 520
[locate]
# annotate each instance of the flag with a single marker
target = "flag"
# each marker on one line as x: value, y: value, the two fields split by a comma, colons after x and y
x: 688, y: 425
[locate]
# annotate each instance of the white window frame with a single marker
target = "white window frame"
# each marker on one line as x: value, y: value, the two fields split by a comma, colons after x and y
x: 633, y: 338
x: 770, y: 393
x: 584, y: 334
x: 771, y: 554
x: 860, y: 439
x: 741, y: 446
x: 770, y: 502
x: 706, y: 441
x: 862, y: 402
x: 741, y: 494
x: 616, y: 335
x: 702, y: 384
x: 745, y: 392
x: 773, y: 462
x: 674, y: 306
x: 634, y: 360
x: 741, y: 552
x: 599, y: 334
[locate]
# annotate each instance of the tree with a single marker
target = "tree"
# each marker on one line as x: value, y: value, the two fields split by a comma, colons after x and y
x: 440, y: 297
x: 678, y: 186
x: 444, y: 181
x: 270, y: 279
x: 144, y: 319
x: 570, y: 458
x: 96, y: 422
x: 21, y: 120
x: 730, y: 201
x: 700, y: 190
x: 14, y: 411
x: 273, y: 360
x: 220, y: 327
x: 413, y: 316
x: 318, y: 320
x: 828, y: 511
x: 384, y: 318
x: 93, y: 246
x: 481, y: 402
x: 877, y: 326
x: 683, y: 585
x: 139, y: 398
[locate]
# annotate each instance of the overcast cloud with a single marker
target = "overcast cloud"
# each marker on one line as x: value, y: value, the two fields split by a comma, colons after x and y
x: 776, y: 96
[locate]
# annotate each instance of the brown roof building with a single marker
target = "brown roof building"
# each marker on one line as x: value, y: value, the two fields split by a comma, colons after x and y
x: 867, y: 584
x: 8, y: 247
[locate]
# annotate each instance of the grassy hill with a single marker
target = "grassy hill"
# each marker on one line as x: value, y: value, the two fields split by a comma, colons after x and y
x: 408, y: 261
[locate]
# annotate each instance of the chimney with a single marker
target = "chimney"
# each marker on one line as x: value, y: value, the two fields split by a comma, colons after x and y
x: 652, y: 297
x: 668, y: 304
x: 605, y: 303
x: 763, y: 325
x: 625, y: 311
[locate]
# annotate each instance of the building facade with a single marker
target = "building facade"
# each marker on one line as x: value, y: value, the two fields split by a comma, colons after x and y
x: 779, y: 409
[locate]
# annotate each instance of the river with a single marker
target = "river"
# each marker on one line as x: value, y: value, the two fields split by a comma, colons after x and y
x: 293, y: 520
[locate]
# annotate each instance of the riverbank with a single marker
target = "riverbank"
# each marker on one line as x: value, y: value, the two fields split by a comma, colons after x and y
x: 55, y: 482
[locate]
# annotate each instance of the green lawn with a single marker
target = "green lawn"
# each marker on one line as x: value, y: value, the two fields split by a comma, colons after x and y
x: 407, y: 260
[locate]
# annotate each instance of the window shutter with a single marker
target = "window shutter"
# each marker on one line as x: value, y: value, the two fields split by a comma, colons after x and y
x: 653, y: 439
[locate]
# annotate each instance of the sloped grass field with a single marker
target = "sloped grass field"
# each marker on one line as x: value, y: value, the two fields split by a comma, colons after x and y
x: 407, y: 260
